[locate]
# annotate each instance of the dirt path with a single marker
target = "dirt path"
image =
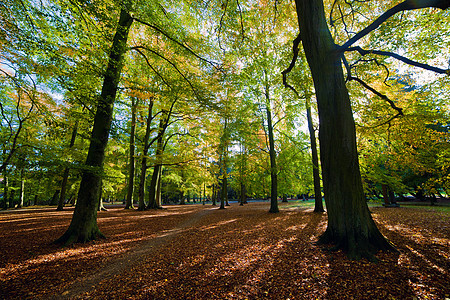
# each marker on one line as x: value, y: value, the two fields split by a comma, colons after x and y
x: 130, y: 259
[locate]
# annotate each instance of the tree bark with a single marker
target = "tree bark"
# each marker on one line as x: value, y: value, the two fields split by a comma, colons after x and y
x: 152, y: 203
x: 318, y: 205
x: 273, y: 165
x: 243, y: 193
x: 5, y: 190
x: 156, y: 177
x: 100, y: 199
x: 83, y: 226
x: 223, y: 149
x: 224, y: 190
x: 144, y: 158
x: 62, y: 195
x: 129, y: 201
x: 22, y: 189
x: 350, y: 225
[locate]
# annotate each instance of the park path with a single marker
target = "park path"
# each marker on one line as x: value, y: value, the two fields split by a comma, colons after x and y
x: 132, y: 258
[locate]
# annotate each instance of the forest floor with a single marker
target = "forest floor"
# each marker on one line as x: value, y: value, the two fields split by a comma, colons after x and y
x: 201, y: 252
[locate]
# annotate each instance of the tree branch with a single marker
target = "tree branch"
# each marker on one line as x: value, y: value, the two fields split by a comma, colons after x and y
x: 172, y: 64
x: 403, y: 6
x: 295, y: 50
x: 401, y: 58
x: 151, y: 67
x: 382, y: 96
x: 154, y: 27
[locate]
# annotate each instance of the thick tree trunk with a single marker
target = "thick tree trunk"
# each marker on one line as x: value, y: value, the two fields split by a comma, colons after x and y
x: 243, y: 195
x: 350, y: 225
x: 152, y: 203
x: 12, y: 195
x: 141, y: 205
x: 386, y: 200
x: 273, y: 165
x: 129, y: 201
x: 83, y: 226
x: 318, y: 205
x: 214, y: 195
x: 62, y: 195
x: 55, y: 197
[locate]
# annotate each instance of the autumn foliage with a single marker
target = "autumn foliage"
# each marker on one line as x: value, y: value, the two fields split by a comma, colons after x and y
x: 200, y: 252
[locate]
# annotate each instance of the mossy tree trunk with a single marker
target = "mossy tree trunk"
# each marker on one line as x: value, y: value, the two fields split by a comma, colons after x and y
x: 83, y: 226
x: 350, y: 225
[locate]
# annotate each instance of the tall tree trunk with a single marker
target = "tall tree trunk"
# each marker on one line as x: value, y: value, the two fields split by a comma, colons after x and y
x: 214, y: 195
x: 243, y: 195
x: 22, y: 189
x: 152, y: 203
x: 350, y: 225
x: 83, y: 226
x: 156, y: 177
x: 318, y: 205
x: 273, y: 164
x: 129, y: 201
x: 12, y: 195
x: 55, y: 197
x: 384, y: 188
x: 144, y: 158
x: 158, y: 189
x: 100, y: 198
x: 224, y: 190
x: 5, y: 190
x: 62, y: 195
x: 204, y: 193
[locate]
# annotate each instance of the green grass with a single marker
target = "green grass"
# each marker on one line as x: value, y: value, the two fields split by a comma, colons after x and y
x: 436, y: 208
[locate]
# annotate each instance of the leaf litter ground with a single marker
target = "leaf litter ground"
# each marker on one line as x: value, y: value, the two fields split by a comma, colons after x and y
x: 201, y: 252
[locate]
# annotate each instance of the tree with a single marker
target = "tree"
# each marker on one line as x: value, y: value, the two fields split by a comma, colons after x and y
x: 350, y: 225
x: 83, y: 226
x: 65, y: 178
x: 131, y: 172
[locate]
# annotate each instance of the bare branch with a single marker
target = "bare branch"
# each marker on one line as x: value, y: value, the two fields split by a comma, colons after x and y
x: 171, y: 63
x: 240, y: 15
x: 295, y: 50
x: 388, y: 121
x: 382, y: 96
x: 224, y: 6
x: 151, y: 67
x: 403, y: 6
x: 401, y: 58
x: 154, y: 27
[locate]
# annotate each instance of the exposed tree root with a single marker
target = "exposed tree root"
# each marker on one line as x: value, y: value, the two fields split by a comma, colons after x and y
x: 356, y: 247
x: 73, y: 236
